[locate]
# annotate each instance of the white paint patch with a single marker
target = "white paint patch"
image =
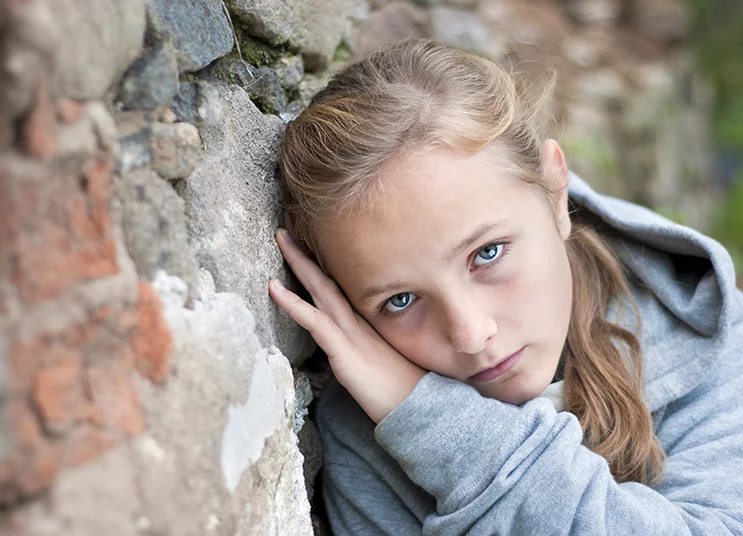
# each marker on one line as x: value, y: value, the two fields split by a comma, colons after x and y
x: 250, y: 424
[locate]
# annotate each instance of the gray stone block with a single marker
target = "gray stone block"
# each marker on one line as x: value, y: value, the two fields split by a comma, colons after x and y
x: 197, y: 103
x: 154, y: 226
x: 199, y: 30
x: 233, y: 208
x: 100, y: 38
x: 151, y: 81
x: 290, y: 70
x: 134, y: 150
x: 314, y: 27
x: 176, y: 149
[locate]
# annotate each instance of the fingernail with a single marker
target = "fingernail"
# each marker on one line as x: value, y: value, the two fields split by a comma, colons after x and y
x: 277, y: 285
x: 284, y: 234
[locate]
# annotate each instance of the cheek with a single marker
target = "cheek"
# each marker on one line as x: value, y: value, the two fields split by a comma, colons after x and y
x: 544, y: 290
x: 416, y: 339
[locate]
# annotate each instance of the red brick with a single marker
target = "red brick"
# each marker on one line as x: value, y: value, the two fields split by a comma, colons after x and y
x: 113, y: 393
x: 7, y: 238
x: 72, y: 398
x: 69, y: 111
x: 67, y: 234
x: 151, y: 341
x: 38, y: 131
x: 57, y: 393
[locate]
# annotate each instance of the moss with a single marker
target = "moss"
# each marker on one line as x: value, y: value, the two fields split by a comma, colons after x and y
x: 342, y: 52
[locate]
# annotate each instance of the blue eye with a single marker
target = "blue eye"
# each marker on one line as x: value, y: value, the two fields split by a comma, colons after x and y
x: 488, y: 254
x: 398, y: 302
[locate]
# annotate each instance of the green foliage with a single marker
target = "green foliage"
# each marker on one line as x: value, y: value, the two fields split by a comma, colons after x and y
x: 718, y: 46
x: 717, y: 27
x: 672, y: 214
x: 594, y: 149
x: 727, y: 222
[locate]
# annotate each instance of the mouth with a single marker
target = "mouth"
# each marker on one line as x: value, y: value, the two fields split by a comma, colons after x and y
x: 498, y: 369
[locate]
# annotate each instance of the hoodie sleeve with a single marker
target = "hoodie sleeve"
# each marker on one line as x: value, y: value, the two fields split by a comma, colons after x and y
x: 366, y: 492
x: 495, y: 468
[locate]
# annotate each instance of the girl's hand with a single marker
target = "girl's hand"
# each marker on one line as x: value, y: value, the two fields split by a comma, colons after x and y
x: 375, y: 374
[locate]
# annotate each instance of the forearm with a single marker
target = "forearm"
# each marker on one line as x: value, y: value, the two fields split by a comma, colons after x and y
x: 497, y: 468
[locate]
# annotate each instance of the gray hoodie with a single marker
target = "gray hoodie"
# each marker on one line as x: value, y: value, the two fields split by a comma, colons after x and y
x: 448, y: 461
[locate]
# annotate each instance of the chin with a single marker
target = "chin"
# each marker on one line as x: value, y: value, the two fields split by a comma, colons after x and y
x: 519, y: 392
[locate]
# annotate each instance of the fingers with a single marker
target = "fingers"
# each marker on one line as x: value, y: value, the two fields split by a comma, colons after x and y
x: 324, y: 291
x: 323, y: 329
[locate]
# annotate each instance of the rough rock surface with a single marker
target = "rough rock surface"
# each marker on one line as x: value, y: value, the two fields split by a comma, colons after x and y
x: 198, y: 29
x: 197, y: 103
x: 314, y: 27
x: 263, y: 84
x: 154, y: 225
x: 83, y: 43
x: 176, y: 149
x: 233, y: 210
x: 219, y: 456
x: 152, y: 80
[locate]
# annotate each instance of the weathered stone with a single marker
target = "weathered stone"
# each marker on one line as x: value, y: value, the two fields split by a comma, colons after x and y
x: 603, y: 12
x: 135, y: 150
x: 310, y: 85
x: 662, y: 20
x: 197, y: 103
x: 310, y: 445
x: 154, y: 226
x: 233, y: 208
x: 587, y: 49
x: 459, y: 28
x: 601, y: 86
x: 219, y: 455
x: 291, y: 110
x: 314, y: 27
x: 151, y: 340
x: 199, y: 30
x: 290, y: 70
x: 38, y: 130
x: 89, y: 59
x: 176, y: 149
x: 302, y: 399
x: 44, y: 256
x: 396, y: 20
x: 262, y: 83
x: 151, y: 81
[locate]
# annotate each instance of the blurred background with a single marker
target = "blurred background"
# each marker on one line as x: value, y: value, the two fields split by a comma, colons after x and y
x: 649, y: 102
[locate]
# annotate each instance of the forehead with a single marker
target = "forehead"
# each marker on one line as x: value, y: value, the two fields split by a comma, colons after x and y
x: 423, y: 206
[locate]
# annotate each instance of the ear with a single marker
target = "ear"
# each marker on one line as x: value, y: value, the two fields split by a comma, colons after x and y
x: 556, y: 174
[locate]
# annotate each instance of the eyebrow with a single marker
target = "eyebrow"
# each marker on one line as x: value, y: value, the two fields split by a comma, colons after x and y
x: 457, y: 250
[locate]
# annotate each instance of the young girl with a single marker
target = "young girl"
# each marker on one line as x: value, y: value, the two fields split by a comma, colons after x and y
x: 516, y: 354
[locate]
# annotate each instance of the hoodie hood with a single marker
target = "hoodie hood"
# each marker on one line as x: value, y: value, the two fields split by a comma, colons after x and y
x: 684, y: 286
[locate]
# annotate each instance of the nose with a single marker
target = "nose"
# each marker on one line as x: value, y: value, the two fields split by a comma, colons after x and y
x: 471, y: 324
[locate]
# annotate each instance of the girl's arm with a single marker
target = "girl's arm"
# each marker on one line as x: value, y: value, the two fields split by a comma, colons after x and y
x: 498, y: 469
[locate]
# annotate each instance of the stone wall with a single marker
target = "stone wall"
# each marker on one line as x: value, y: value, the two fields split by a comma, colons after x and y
x: 148, y: 385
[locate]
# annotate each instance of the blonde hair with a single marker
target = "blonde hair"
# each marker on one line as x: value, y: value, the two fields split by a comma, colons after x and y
x: 417, y: 94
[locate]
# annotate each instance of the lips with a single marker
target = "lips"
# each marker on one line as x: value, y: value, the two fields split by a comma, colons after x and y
x: 499, y: 369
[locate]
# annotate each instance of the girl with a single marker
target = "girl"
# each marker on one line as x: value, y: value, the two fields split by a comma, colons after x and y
x: 516, y: 354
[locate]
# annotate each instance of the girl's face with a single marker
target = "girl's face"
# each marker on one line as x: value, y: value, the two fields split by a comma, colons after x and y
x: 462, y: 269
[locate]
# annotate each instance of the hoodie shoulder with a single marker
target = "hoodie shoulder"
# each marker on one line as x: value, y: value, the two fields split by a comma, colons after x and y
x: 683, y: 283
